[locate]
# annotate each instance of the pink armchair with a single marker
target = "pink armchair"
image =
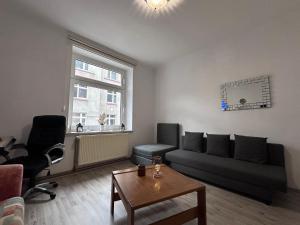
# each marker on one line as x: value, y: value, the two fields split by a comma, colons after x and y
x: 11, y: 177
x: 11, y: 204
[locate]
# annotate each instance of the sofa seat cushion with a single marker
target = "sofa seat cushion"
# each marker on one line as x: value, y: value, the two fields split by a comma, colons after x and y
x: 268, y: 176
x: 152, y: 149
x: 12, y: 211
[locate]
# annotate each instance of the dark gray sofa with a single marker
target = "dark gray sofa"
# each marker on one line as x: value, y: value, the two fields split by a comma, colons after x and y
x: 256, y: 180
x: 167, y: 140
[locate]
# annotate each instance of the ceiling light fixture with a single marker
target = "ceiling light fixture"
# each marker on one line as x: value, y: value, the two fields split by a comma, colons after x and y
x: 157, y: 4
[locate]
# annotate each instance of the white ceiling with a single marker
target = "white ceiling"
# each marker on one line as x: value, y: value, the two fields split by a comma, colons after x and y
x: 125, y: 26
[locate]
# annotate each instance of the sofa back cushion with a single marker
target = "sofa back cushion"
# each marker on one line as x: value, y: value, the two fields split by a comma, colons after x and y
x: 275, y: 152
x: 168, y: 134
x: 193, y: 141
x: 218, y: 145
x: 252, y: 149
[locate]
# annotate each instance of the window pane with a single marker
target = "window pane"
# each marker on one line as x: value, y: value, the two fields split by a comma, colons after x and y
x: 112, y: 97
x: 78, y: 64
x: 88, y: 112
x: 109, y: 98
x: 90, y: 71
x: 76, y: 114
x: 113, y: 76
x: 82, y: 93
x: 75, y: 121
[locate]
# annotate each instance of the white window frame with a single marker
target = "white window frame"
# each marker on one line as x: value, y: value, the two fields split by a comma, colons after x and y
x: 96, y: 84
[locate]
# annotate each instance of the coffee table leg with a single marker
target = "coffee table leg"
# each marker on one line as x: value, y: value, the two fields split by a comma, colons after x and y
x: 201, y: 201
x: 112, y: 203
x: 130, y: 217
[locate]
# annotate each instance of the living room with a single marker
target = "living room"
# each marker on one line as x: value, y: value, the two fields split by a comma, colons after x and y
x: 116, y: 70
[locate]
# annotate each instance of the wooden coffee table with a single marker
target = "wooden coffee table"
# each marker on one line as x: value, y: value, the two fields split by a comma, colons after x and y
x: 137, y: 192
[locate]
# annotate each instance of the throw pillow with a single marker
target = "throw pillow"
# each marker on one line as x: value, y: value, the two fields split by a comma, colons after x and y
x: 252, y: 149
x: 218, y: 145
x: 193, y: 141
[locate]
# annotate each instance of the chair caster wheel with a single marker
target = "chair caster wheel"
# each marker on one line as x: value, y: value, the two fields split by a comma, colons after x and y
x: 52, y: 196
x: 54, y: 184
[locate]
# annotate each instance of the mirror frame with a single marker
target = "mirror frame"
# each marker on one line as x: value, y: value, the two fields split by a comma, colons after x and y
x: 263, y: 81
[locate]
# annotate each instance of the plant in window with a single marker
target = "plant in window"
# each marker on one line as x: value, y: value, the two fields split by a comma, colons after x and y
x: 102, y: 119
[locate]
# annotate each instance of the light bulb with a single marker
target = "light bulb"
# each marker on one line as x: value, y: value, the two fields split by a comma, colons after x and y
x: 157, y: 4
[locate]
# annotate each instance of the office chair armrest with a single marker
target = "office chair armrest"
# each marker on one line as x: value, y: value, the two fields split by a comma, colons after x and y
x: 55, y: 153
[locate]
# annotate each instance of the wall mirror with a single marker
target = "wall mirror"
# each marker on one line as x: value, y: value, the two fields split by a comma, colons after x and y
x: 253, y: 93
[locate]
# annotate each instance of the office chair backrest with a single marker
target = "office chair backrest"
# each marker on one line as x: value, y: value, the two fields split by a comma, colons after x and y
x: 46, y: 131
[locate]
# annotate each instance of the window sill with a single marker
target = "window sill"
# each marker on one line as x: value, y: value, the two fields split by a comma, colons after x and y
x: 98, y: 132
x: 80, y: 99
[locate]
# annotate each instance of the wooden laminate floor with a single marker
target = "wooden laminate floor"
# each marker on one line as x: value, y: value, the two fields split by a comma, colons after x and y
x: 84, y: 199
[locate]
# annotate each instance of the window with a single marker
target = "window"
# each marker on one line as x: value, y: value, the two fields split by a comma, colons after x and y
x: 111, y: 97
x: 80, y: 91
x: 111, y: 75
x: 81, y: 65
x: 79, y: 118
x: 103, y: 89
x: 97, y: 72
x: 111, y: 120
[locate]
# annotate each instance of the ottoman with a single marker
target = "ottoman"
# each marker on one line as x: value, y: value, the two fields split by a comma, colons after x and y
x: 167, y: 140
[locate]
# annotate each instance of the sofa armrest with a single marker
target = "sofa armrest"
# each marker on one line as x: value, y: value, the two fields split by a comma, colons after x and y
x: 276, y: 154
x: 11, y: 177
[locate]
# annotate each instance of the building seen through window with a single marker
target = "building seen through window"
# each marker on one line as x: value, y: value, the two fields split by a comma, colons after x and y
x: 97, y: 90
x: 80, y: 91
x: 111, y: 97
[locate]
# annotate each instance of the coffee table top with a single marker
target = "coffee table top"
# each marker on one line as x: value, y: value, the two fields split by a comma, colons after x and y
x: 143, y: 191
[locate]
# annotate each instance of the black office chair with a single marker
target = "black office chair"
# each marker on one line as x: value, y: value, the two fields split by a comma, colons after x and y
x: 45, y: 147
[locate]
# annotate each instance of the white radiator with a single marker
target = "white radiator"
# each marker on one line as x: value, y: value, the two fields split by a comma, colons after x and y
x: 92, y: 149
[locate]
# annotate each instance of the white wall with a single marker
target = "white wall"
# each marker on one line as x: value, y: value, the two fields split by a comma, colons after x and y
x: 34, y: 77
x: 188, y: 88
